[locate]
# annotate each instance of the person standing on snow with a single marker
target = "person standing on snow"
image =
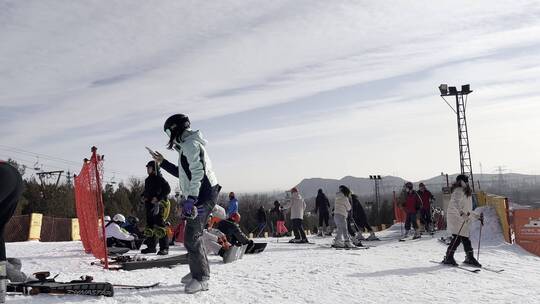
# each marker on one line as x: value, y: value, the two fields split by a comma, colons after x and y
x: 157, y: 206
x: 261, y: 220
x: 279, y: 217
x: 322, y: 207
x: 297, y: 206
x: 11, y: 187
x: 201, y: 190
x: 359, y: 222
x: 341, y: 211
x: 411, y: 203
x: 425, y: 211
x: 232, y: 207
x: 459, y: 215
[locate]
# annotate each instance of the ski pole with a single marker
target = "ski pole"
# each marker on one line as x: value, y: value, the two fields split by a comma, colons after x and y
x: 480, y: 236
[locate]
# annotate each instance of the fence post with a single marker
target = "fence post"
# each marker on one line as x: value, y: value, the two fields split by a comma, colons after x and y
x: 75, y: 234
x: 34, y: 232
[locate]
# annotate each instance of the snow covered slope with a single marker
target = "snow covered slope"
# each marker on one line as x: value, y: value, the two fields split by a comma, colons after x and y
x: 391, y: 272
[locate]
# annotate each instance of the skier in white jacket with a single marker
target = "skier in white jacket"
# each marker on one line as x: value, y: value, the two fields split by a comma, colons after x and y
x: 341, y: 212
x: 459, y: 216
x: 297, y: 205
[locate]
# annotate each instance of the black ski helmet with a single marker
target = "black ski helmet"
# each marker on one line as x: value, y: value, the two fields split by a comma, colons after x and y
x: 462, y: 177
x: 174, y: 127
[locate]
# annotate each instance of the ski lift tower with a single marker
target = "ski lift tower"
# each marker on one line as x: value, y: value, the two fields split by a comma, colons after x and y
x: 463, y: 134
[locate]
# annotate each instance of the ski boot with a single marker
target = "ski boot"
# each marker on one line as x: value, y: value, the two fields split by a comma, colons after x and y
x: 338, y: 244
x: 449, y: 258
x: 416, y: 235
x: 470, y: 260
x: 348, y: 244
x: 164, y: 251
x: 195, y: 286
x: 186, y: 279
x: 295, y: 241
x: 148, y: 250
x: 372, y: 237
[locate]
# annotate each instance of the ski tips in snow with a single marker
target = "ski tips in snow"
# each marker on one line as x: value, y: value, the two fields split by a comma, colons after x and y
x: 471, y: 270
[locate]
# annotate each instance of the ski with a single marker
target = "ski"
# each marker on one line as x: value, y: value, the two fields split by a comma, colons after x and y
x: 409, y: 239
x: 458, y: 267
x: 344, y: 248
x: 125, y: 286
x: 492, y: 269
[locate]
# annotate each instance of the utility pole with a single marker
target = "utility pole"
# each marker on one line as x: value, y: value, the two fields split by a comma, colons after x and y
x: 377, y: 179
x: 463, y: 134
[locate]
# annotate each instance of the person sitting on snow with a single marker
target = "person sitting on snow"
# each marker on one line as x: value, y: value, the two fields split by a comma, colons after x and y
x: 118, y: 236
x: 131, y: 226
x: 231, y: 228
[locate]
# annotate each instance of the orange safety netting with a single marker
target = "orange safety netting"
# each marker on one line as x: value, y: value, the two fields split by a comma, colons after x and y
x: 399, y: 213
x: 89, y: 203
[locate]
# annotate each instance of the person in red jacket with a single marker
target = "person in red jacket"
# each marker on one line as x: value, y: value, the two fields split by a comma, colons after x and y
x: 425, y: 211
x: 411, y: 203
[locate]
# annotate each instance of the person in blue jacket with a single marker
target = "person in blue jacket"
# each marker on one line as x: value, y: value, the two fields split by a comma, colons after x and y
x: 200, y: 190
x: 232, y: 207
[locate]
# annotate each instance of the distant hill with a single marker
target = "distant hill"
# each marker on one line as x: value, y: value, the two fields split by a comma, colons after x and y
x: 364, y: 186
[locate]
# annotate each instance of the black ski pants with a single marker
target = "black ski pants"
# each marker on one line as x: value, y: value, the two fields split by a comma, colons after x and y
x: 425, y: 217
x: 298, y: 229
x: 324, y: 217
x: 11, y: 187
x: 456, y: 240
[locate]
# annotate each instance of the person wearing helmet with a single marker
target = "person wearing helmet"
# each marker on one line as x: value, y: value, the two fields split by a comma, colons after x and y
x: 200, y: 188
x: 425, y: 211
x: 117, y: 236
x: 157, y: 206
x: 459, y: 215
x: 11, y: 187
x: 411, y: 203
x: 231, y: 228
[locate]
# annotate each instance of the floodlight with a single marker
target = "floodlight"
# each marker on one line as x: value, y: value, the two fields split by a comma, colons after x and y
x: 452, y: 91
x: 444, y: 89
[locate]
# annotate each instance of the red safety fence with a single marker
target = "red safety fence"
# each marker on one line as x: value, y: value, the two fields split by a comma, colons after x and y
x: 89, y: 204
x: 399, y: 213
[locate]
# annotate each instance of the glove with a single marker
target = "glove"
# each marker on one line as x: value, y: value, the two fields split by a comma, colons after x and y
x: 188, y: 207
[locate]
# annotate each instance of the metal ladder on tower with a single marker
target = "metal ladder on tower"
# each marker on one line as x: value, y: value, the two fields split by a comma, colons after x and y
x: 463, y: 138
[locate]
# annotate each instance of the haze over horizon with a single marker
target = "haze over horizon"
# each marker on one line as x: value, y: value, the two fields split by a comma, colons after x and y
x: 282, y: 90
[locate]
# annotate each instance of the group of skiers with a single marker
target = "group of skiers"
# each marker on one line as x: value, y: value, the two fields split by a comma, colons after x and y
x: 200, y: 190
x: 413, y: 202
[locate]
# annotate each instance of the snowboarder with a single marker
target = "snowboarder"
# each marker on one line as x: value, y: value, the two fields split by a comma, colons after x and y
x: 118, y: 236
x: 11, y: 187
x: 322, y: 207
x: 231, y: 228
x: 359, y: 222
x: 425, y: 211
x: 131, y: 226
x: 279, y: 217
x: 459, y: 214
x: 297, y: 206
x: 411, y: 203
x: 342, y: 207
x: 157, y: 206
x: 232, y: 207
x: 201, y: 189
x: 261, y: 220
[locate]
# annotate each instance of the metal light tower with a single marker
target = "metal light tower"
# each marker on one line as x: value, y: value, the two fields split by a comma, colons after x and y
x: 463, y: 134
x: 377, y: 179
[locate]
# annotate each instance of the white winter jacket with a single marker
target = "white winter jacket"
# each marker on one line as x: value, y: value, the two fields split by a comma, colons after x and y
x: 460, y: 204
x: 114, y: 230
x: 342, y: 204
x: 191, y: 147
x: 297, y: 206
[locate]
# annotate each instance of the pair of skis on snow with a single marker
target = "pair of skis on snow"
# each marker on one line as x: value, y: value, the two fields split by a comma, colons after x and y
x: 470, y: 269
x: 84, y: 286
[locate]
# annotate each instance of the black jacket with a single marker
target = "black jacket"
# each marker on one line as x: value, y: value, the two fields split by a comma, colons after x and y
x: 277, y: 213
x: 233, y: 232
x: 261, y: 216
x: 358, y: 213
x: 156, y: 186
x: 322, y: 204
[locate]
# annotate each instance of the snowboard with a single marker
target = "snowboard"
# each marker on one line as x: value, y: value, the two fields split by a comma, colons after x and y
x: 232, y: 254
x: 145, y: 264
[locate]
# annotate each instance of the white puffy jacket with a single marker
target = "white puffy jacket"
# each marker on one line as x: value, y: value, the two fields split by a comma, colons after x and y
x: 114, y: 230
x: 342, y: 204
x: 297, y: 206
x: 460, y: 204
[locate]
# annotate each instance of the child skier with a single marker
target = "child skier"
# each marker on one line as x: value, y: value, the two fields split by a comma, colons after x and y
x: 459, y: 215
x: 201, y: 189
x: 279, y: 217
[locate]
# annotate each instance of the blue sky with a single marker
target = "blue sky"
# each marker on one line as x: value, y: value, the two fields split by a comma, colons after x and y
x: 282, y: 90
